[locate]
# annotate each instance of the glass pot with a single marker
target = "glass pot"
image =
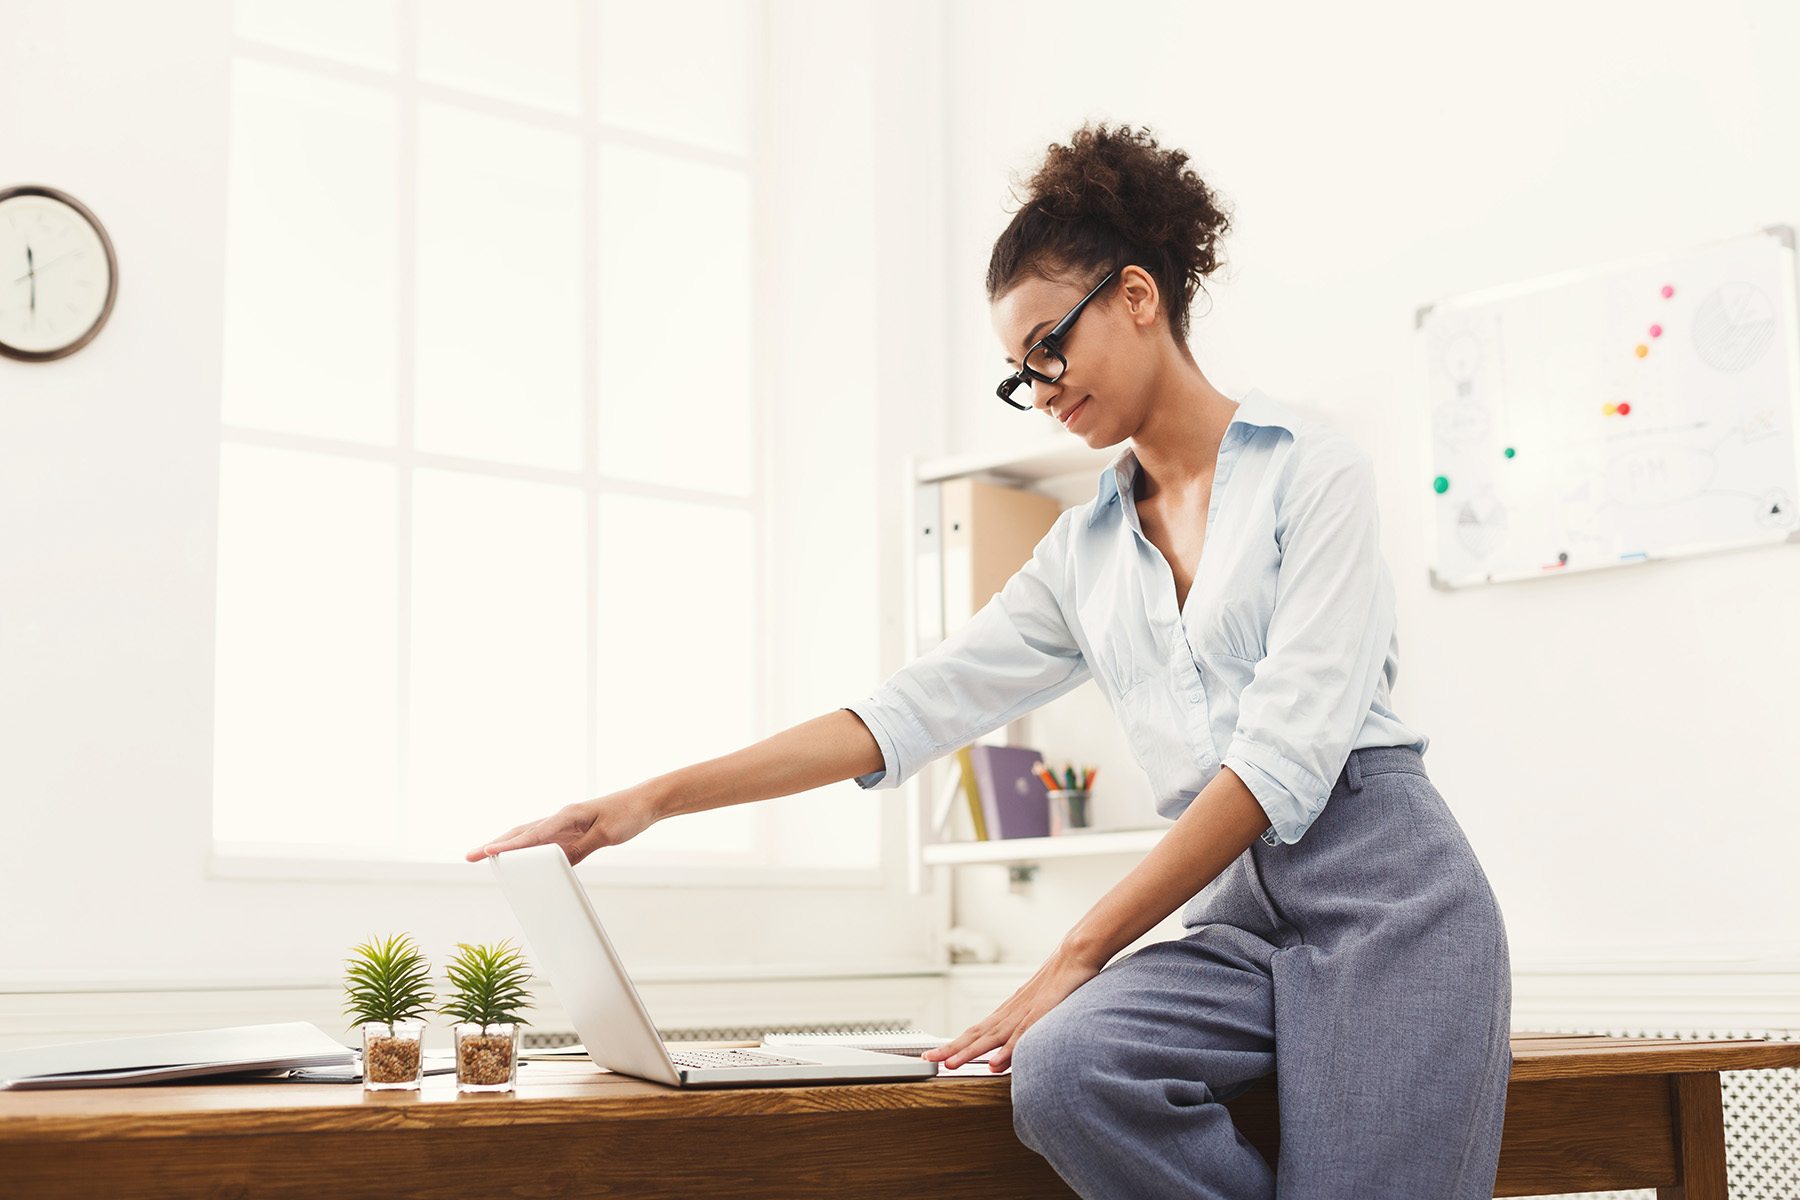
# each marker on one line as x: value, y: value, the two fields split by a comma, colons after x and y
x: 393, y: 1056
x: 487, y: 1056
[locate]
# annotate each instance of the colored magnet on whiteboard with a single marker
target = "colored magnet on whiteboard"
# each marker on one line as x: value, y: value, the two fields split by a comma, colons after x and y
x: 1656, y: 331
x: 1440, y: 485
x: 1509, y: 452
x: 1668, y: 289
x: 1624, y: 408
x: 1610, y: 409
x: 1642, y: 350
x: 1562, y: 556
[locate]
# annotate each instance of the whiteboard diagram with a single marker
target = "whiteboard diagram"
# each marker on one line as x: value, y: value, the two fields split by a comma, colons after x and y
x: 1615, y: 415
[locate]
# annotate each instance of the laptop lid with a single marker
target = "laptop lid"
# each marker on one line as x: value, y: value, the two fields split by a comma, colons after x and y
x: 571, y: 949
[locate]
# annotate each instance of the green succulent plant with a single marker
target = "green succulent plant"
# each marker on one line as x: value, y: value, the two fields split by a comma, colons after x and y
x: 487, y: 984
x: 385, y: 981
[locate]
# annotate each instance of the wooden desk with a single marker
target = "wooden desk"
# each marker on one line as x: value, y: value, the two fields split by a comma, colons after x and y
x: 1586, y: 1113
x: 1583, y: 1113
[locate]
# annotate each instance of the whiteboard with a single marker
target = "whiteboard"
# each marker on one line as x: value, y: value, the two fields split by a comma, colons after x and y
x: 1610, y: 416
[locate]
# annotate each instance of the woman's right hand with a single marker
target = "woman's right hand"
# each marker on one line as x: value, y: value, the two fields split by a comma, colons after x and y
x: 582, y: 828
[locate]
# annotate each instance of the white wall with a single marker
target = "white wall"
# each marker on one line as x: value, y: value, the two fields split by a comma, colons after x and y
x: 1618, y: 745
x: 108, y: 470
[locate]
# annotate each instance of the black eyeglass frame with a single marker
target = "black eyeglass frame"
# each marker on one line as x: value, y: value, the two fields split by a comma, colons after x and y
x: 1051, y: 343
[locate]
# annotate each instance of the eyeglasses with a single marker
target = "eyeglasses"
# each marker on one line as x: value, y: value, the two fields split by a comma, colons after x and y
x: 1044, y: 361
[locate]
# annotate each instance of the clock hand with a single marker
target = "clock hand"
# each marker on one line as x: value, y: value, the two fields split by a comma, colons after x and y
x: 31, y: 270
x: 46, y: 266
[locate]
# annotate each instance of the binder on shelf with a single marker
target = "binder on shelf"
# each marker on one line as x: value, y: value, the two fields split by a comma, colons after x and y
x: 949, y: 792
x: 1013, y: 798
x: 971, y: 792
x: 988, y: 532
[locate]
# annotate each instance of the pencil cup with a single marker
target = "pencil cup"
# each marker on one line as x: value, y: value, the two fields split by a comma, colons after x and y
x: 393, y: 1057
x: 1068, y: 810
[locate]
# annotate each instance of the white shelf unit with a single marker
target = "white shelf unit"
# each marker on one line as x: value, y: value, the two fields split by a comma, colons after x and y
x: 1068, y: 470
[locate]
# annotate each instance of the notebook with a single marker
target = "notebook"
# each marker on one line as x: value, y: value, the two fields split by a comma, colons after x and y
x: 194, y: 1054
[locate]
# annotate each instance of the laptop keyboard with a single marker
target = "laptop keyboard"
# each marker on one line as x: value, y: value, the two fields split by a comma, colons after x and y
x: 733, y: 1058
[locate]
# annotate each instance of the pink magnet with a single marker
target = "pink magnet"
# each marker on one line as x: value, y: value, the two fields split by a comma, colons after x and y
x: 1668, y: 289
x: 1656, y: 331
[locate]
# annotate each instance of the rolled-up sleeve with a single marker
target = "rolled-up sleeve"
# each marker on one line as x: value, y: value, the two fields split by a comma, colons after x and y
x: 1327, y: 640
x: 1015, y: 654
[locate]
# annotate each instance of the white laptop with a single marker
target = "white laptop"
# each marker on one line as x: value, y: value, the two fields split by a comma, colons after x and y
x: 572, y: 951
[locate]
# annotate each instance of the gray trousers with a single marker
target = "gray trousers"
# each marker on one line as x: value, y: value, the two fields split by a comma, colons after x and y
x: 1366, y: 965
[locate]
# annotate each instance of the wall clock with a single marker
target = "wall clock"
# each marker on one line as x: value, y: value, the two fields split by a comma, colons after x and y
x: 58, y: 275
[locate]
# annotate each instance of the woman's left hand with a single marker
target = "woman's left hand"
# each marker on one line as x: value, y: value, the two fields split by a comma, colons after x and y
x: 1050, y: 986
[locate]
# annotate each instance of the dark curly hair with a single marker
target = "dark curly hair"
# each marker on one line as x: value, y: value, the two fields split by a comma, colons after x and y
x: 1109, y: 198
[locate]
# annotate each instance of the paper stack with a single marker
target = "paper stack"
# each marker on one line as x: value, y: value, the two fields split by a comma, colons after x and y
x: 201, y: 1052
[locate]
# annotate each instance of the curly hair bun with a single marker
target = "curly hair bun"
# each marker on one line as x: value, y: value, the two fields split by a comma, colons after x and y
x: 1109, y: 197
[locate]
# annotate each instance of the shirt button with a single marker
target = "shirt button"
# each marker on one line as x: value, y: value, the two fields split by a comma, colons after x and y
x: 1194, y: 696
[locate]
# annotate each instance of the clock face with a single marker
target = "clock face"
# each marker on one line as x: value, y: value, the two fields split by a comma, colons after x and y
x: 56, y: 274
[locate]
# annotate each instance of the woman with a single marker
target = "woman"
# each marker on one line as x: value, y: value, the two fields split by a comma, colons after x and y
x: 1339, y: 930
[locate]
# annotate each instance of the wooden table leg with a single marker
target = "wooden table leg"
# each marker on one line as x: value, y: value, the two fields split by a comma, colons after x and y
x: 1700, y: 1120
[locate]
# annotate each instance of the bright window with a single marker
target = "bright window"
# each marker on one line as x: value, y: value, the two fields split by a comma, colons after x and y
x: 491, y: 523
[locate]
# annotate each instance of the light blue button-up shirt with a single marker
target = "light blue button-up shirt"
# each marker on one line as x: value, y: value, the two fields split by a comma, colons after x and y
x: 1281, y: 661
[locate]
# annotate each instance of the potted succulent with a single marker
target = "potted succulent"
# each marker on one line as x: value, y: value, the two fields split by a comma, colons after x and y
x: 487, y: 993
x: 385, y: 983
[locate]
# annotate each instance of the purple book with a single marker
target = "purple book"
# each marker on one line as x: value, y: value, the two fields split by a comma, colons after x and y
x: 1013, y: 800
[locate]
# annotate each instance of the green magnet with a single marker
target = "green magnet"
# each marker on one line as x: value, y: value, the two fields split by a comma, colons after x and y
x: 1440, y: 485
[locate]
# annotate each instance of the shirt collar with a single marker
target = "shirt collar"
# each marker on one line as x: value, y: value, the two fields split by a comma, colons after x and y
x: 1256, y: 408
